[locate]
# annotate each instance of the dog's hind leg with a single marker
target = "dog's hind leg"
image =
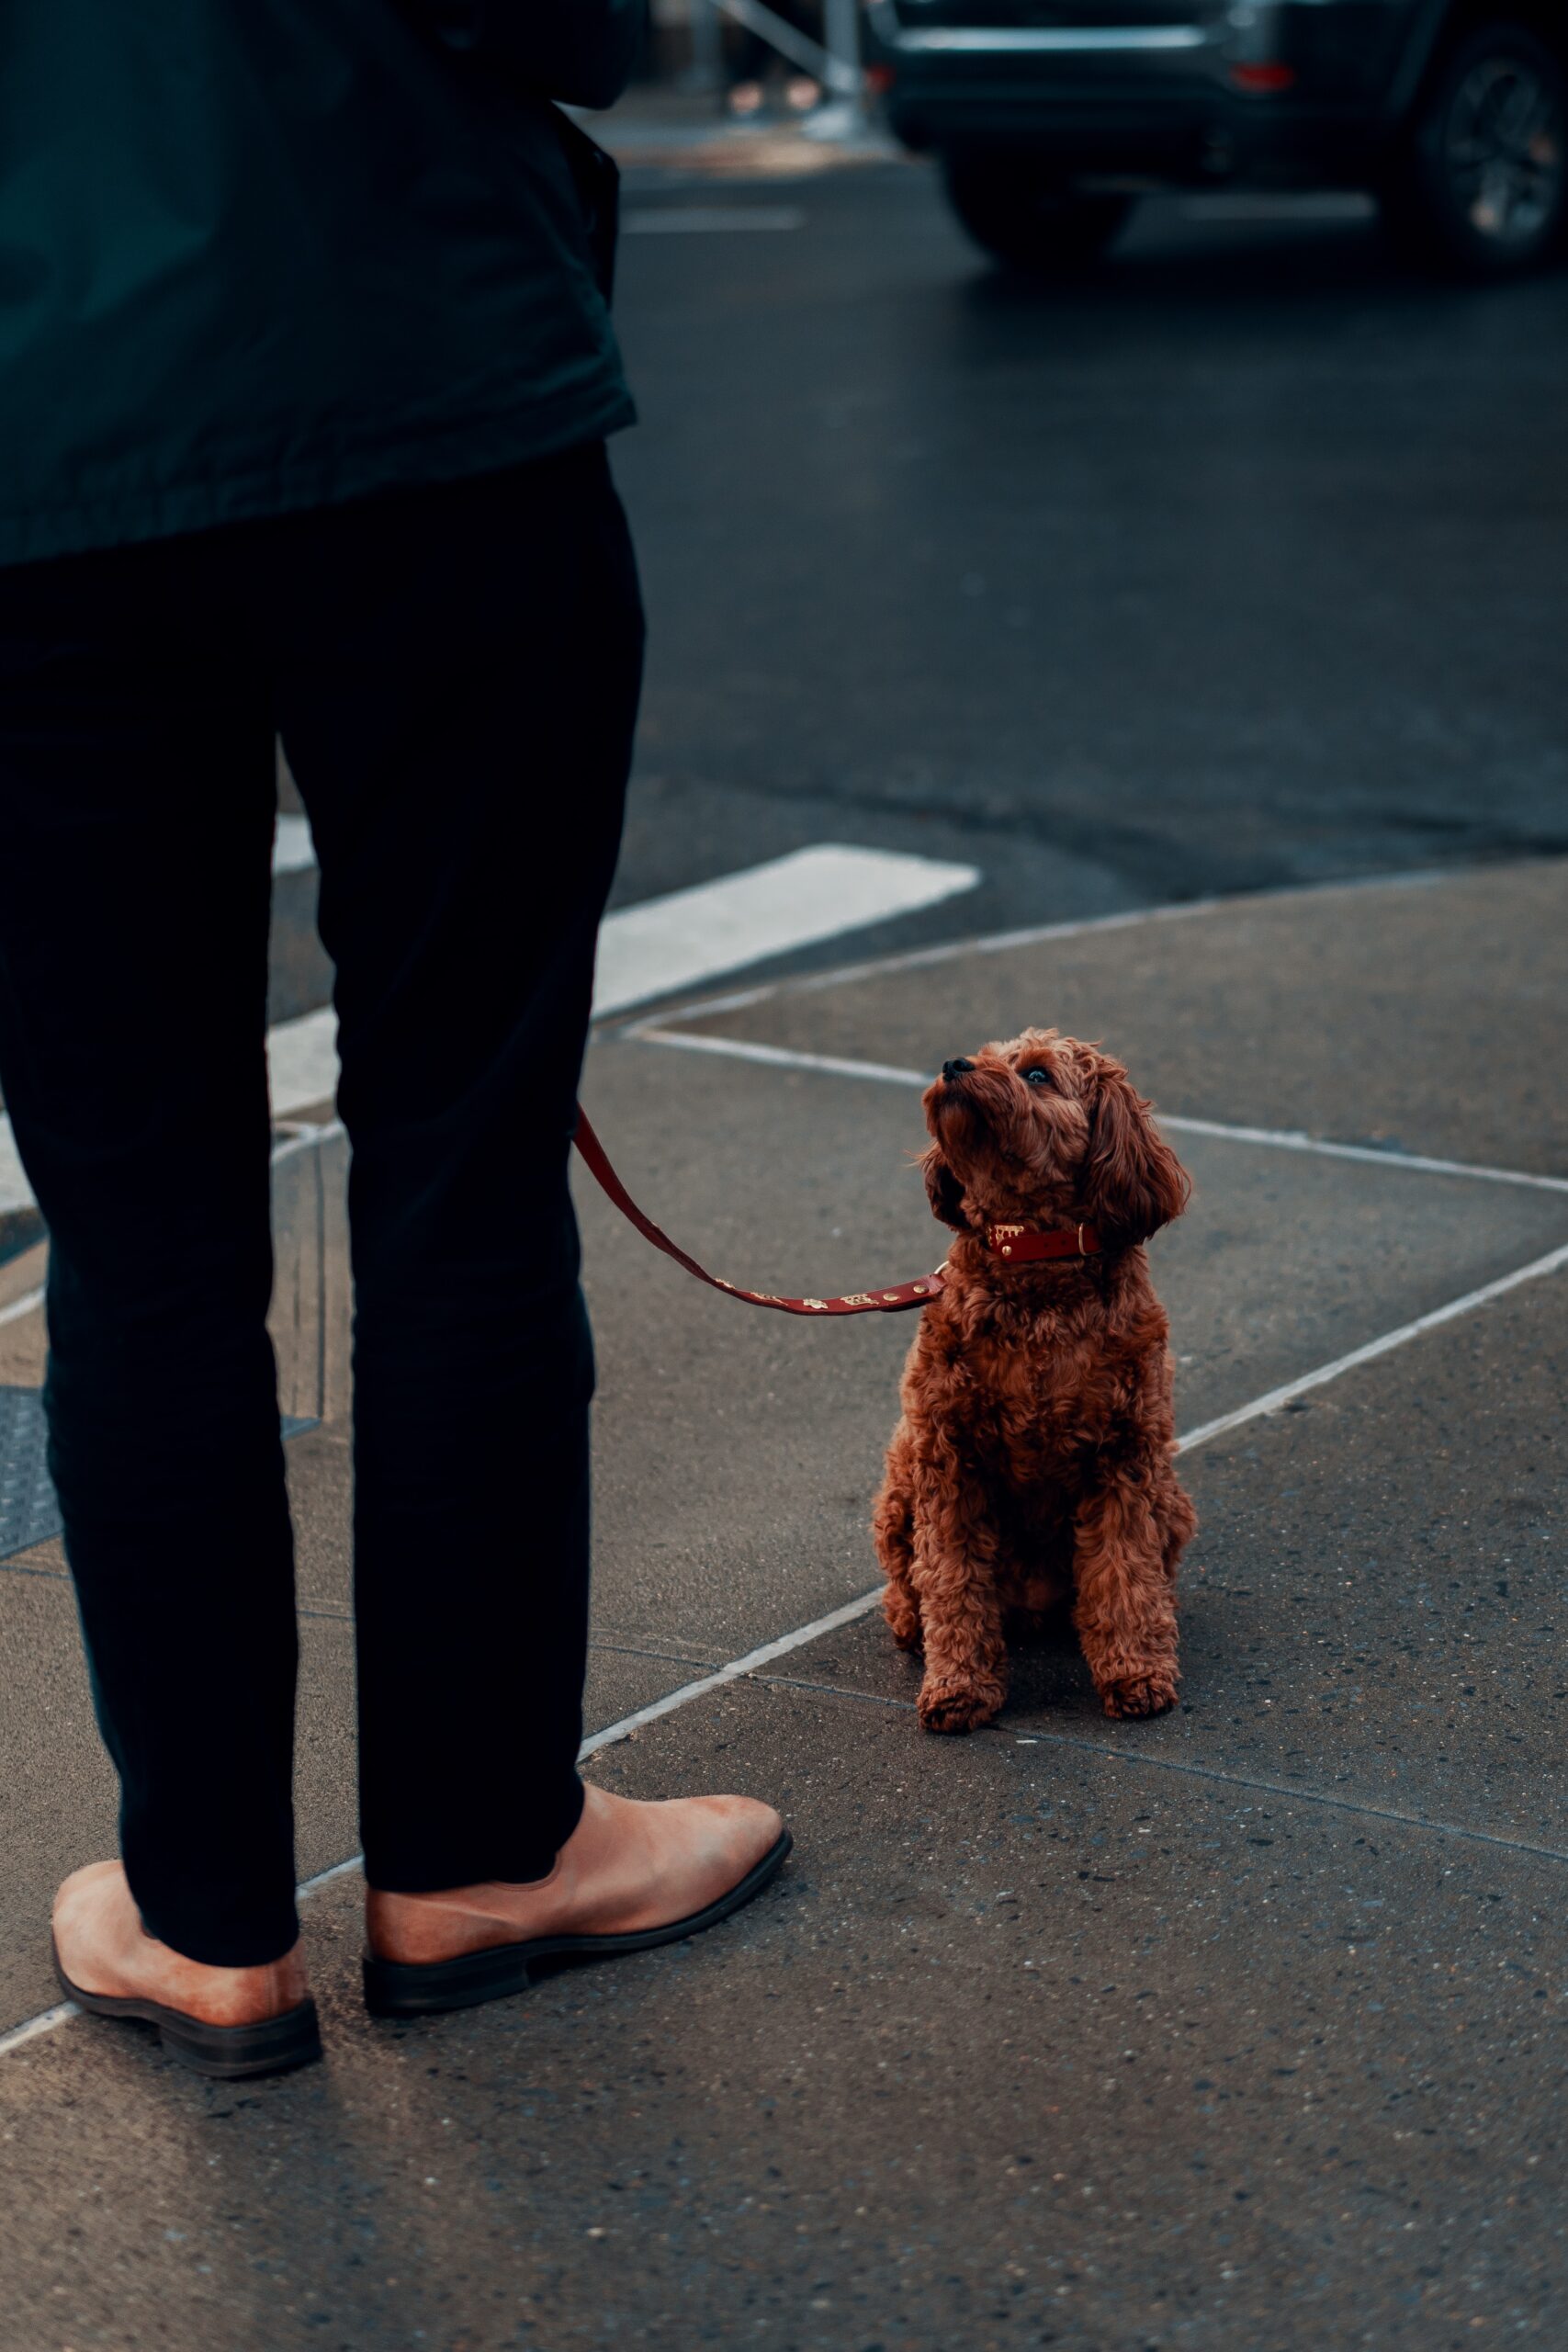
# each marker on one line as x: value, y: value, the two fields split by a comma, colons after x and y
x: 893, y: 1532
x: 1177, y: 1520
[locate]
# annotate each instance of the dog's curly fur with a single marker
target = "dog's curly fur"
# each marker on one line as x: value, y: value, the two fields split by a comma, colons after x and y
x: 1033, y: 1459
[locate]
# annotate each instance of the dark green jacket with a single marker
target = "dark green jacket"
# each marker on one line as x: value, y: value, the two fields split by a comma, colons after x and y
x: 264, y: 254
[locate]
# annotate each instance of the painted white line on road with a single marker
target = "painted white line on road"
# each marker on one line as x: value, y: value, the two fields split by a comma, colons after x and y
x: 15, y: 1192
x: 795, y: 901
x: 709, y: 220
x: 999, y: 943
x: 747, y: 1049
x: 1272, y: 1401
x: 293, y: 850
x: 302, y: 1064
x: 21, y: 1306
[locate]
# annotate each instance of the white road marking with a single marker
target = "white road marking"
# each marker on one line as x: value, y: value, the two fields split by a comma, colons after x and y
x: 852, y: 1611
x: 705, y: 219
x: 293, y: 850
x: 15, y: 1192
x: 795, y: 901
x: 301, y: 1058
x: 746, y: 1049
x: 21, y: 1306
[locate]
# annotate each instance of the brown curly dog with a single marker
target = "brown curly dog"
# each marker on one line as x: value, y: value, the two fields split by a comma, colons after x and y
x: 1033, y: 1459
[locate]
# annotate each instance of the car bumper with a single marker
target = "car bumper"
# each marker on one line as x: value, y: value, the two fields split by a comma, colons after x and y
x: 1162, y: 102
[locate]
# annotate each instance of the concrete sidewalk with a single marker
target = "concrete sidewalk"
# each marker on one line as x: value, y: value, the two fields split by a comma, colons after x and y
x: 1238, y: 2030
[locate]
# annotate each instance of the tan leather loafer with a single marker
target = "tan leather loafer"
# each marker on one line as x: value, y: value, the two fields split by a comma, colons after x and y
x: 630, y: 1876
x: 229, y: 2022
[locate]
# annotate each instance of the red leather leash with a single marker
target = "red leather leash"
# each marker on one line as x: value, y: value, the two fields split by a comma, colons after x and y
x: 1014, y: 1242
x: 891, y: 1301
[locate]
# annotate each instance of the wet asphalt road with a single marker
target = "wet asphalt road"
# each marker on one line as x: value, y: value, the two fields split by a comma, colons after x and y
x: 1239, y: 564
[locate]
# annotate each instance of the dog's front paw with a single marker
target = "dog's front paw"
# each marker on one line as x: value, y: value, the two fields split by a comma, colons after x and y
x: 903, y: 1620
x: 959, y: 1706
x: 1141, y: 1694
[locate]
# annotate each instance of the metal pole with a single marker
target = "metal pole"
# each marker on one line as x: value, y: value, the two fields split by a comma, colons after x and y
x: 842, y: 19
x: 707, y: 50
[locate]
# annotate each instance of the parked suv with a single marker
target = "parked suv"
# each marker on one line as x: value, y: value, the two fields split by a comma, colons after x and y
x: 1051, y: 117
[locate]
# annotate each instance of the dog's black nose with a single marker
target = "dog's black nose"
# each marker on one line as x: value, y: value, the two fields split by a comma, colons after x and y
x: 956, y: 1068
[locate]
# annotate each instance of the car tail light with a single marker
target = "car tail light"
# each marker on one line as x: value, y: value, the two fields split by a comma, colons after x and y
x: 1263, y: 80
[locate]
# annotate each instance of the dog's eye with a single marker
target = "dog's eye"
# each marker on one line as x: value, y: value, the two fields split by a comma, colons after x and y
x: 1037, y: 1077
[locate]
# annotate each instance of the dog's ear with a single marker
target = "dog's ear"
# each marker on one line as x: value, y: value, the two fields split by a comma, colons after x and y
x: 943, y: 1190
x: 1133, y: 1182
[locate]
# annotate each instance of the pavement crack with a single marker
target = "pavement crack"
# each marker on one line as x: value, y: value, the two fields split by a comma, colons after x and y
x: 832, y: 1691
x: 664, y: 1657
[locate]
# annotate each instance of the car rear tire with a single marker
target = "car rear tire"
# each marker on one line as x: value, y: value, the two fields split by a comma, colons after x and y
x: 1482, y: 185
x: 1027, y: 223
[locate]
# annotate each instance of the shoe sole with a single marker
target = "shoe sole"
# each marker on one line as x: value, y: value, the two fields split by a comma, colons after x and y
x: 398, y: 1989
x: 229, y: 2053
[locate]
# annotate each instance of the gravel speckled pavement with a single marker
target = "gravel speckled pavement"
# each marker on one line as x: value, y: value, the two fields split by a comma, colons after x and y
x: 1237, y: 2030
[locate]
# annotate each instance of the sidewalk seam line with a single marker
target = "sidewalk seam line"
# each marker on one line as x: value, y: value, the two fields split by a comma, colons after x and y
x: 746, y: 1049
x: 660, y: 1657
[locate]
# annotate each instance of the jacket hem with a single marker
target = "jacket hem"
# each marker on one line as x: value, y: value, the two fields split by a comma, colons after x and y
x: 452, y: 452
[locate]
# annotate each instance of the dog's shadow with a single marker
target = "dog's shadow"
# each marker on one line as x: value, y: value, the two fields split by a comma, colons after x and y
x: 1047, y: 1671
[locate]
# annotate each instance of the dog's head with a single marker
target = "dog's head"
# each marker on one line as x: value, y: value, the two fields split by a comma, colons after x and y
x: 1044, y: 1129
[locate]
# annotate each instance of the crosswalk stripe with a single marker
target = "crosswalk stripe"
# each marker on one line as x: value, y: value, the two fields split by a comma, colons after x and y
x: 791, y: 902
x: 293, y: 850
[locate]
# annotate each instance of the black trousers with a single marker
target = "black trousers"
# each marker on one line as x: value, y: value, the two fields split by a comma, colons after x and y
x: 454, y: 672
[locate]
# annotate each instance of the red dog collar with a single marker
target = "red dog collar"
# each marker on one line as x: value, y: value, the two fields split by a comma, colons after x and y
x: 1018, y: 1244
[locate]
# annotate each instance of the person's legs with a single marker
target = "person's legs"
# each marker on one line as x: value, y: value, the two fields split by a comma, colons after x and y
x: 458, y: 699
x: 136, y: 810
